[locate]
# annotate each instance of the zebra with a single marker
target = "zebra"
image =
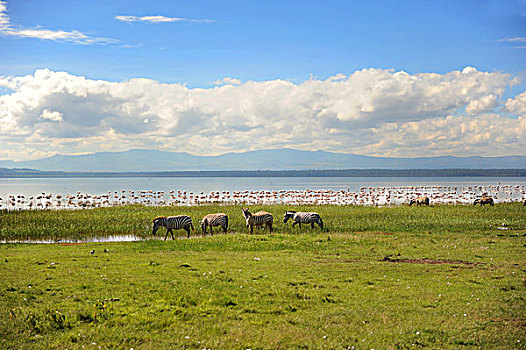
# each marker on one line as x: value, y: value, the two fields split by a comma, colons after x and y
x: 419, y: 201
x: 218, y: 219
x: 258, y: 219
x: 173, y: 223
x: 303, y: 218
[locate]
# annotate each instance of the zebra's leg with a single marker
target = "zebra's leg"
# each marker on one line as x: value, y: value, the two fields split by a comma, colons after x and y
x: 320, y: 222
x: 211, y: 230
x: 165, y: 236
x: 187, y: 231
x: 271, y: 229
x: 225, y: 228
x: 172, y: 233
x: 312, y: 225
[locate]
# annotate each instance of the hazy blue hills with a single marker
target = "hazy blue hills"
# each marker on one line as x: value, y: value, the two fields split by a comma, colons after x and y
x: 275, y: 159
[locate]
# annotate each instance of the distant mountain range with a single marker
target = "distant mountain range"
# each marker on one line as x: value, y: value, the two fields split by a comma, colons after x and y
x: 137, y: 160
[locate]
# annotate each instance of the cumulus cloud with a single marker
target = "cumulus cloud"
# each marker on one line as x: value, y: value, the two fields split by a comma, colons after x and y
x: 9, y: 29
x: 227, y: 81
x: 371, y: 111
x: 53, y: 116
x: 159, y: 19
x: 487, y: 135
x: 483, y: 104
x: 517, y: 105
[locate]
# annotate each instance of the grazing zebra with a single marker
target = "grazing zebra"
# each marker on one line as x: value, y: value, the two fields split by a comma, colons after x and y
x: 484, y: 200
x: 173, y: 223
x: 258, y: 219
x: 303, y: 218
x: 219, y: 219
x: 420, y: 201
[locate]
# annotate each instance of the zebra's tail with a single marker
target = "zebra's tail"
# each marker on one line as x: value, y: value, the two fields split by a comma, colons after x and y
x: 192, y: 226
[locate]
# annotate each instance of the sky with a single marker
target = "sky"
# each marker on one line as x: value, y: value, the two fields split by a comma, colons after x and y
x: 380, y: 78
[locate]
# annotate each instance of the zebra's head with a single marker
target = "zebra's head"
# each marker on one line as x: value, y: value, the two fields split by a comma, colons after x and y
x: 246, y: 213
x: 157, y: 222
x: 288, y: 215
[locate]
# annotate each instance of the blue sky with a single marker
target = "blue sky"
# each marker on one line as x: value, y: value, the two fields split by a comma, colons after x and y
x: 198, y: 43
x: 262, y: 40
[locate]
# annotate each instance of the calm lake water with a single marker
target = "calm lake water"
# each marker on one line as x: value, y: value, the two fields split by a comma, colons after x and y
x: 97, y: 186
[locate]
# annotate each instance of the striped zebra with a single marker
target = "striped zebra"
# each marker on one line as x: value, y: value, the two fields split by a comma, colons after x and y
x: 303, y: 218
x: 173, y: 223
x: 258, y: 219
x: 218, y: 219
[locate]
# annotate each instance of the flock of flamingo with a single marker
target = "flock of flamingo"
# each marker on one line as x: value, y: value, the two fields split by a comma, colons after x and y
x: 366, y: 196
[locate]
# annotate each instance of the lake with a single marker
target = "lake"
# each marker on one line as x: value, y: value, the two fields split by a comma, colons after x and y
x: 96, y: 186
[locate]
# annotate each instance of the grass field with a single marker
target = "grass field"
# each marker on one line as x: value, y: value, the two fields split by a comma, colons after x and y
x: 443, y: 277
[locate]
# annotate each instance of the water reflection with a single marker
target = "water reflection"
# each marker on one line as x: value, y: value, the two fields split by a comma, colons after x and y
x: 106, y: 239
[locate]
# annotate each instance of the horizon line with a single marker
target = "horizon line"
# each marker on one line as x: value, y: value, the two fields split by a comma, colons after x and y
x: 249, y: 151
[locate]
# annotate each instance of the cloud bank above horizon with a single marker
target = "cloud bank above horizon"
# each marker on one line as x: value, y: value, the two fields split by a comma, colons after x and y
x: 371, y: 112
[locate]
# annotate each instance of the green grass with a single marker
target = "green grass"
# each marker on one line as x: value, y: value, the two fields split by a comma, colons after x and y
x: 137, y: 220
x: 442, y: 277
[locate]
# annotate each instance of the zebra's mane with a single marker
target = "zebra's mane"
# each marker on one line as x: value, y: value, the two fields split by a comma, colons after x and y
x: 291, y: 212
x: 159, y: 218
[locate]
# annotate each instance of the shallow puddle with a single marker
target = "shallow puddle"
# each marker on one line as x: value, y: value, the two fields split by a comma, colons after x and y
x: 106, y: 239
x: 115, y: 238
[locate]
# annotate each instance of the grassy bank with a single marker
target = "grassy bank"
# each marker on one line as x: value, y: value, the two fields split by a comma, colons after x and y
x: 137, y: 219
x: 385, y: 278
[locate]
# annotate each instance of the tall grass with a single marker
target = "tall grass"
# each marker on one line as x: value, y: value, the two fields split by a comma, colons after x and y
x: 137, y: 219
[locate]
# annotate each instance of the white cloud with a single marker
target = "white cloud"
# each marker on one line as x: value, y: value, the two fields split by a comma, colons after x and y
x: 371, y: 111
x: 486, y: 134
x: 9, y: 29
x: 517, y: 105
x: 159, y: 19
x: 53, y: 116
x: 483, y: 104
x: 517, y: 39
x: 515, y: 42
x: 227, y: 81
